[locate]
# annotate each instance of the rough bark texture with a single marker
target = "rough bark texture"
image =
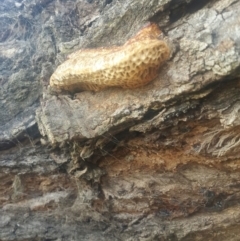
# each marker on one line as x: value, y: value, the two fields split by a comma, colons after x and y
x: 156, y: 163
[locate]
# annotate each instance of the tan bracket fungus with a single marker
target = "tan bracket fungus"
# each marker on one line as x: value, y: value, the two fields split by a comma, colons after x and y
x: 132, y: 65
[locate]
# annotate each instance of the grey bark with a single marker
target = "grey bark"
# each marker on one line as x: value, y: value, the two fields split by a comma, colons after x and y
x: 155, y: 163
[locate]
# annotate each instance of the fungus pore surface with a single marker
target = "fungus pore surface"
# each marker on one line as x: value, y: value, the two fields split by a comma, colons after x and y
x: 132, y: 65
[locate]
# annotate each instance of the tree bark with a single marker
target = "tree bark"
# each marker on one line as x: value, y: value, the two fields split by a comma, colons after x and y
x: 160, y: 162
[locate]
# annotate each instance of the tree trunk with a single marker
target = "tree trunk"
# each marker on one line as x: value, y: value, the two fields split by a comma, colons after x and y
x: 160, y: 162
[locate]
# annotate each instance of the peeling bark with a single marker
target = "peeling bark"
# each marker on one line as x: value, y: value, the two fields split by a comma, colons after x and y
x: 155, y: 163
